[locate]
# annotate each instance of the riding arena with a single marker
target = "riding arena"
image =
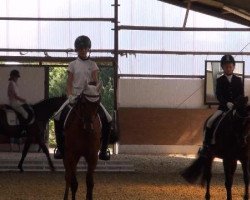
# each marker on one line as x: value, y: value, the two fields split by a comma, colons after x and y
x: 123, y: 99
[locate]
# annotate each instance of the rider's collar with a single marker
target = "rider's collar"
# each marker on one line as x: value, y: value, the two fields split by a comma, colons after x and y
x: 83, y: 58
x: 229, y: 78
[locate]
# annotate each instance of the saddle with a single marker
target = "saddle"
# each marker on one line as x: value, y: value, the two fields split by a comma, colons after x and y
x: 216, y: 125
x: 63, y: 115
x: 10, y: 117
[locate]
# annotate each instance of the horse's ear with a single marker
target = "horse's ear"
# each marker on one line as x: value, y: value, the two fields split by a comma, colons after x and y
x: 99, y: 86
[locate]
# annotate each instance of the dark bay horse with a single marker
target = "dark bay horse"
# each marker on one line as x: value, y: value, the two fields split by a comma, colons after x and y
x: 82, y: 138
x: 43, y: 111
x: 230, y: 147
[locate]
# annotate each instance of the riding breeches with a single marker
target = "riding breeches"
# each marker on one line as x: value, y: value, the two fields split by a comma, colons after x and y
x: 213, y: 118
x: 18, y: 108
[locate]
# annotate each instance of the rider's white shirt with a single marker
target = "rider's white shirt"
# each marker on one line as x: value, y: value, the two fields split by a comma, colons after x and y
x: 229, y: 78
x: 13, y: 89
x: 82, y: 73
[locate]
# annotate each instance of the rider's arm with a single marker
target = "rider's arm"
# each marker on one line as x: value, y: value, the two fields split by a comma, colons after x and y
x: 70, y: 83
x: 95, y: 75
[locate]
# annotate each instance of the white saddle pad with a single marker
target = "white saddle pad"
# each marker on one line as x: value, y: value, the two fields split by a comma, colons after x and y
x: 12, y: 119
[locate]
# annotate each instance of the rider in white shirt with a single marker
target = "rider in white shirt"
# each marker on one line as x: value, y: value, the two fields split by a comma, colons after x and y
x: 80, y: 72
x: 15, y: 100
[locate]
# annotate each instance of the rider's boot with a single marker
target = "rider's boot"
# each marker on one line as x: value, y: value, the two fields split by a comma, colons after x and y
x: 203, y: 151
x: 104, y: 153
x: 58, y: 152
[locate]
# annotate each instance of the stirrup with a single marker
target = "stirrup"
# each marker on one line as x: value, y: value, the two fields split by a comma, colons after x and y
x: 104, y: 155
x: 57, y: 154
x: 23, y: 132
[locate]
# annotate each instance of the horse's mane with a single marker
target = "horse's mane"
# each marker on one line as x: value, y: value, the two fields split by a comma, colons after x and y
x: 45, y: 108
x: 45, y: 102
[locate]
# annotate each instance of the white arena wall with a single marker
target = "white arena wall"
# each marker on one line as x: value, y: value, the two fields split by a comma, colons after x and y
x: 166, y: 93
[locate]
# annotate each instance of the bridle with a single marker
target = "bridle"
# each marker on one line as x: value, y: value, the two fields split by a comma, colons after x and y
x: 240, y: 116
x: 88, y: 121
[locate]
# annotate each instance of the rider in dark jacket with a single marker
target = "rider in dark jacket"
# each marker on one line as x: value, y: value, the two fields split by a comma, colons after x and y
x: 229, y: 88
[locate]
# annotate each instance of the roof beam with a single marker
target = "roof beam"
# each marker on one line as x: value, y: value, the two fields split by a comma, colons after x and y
x: 215, y: 10
x: 235, y: 12
x: 186, y: 16
x: 160, y: 28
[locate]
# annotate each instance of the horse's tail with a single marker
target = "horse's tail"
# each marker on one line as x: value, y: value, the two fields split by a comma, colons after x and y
x: 195, y: 171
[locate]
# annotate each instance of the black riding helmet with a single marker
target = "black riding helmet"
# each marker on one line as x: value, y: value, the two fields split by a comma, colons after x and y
x: 14, y: 73
x: 82, y: 42
x: 227, y: 59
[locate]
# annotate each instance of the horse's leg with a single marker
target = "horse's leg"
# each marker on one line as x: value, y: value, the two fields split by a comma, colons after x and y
x: 244, y: 164
x: 66, y: 191
x: 74, y: 186
x: 24, y: 153
x: 70, y: 164
x: 91, y: 162
x: 45, y: 150
x: 229, y: 169
x: 208, y: 176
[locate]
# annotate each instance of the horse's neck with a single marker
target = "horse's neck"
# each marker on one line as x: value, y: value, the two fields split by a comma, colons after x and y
x: 45, y: 111
x: 230, y: 127
x: 79, y: 113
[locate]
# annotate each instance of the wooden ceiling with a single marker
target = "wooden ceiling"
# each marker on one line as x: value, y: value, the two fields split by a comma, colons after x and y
x: 233, y: 10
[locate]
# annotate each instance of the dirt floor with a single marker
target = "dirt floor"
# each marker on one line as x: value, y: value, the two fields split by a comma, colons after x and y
x: 155, y: 178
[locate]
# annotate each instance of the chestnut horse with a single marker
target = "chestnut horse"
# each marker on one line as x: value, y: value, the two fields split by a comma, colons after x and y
x: 231, y: 145
x: 82, y: 138
x: 43, y: 111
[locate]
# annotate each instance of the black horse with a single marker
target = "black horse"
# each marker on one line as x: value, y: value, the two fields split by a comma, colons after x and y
x: 43, y: 111
x: 231, y: 145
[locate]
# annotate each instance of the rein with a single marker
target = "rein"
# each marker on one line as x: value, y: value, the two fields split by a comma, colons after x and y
x: 242, y: 117
x: 84, y: 119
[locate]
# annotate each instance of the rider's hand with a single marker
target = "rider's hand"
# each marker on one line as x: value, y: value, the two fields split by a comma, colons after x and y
x: 230, y: 105
x: 72, y: 99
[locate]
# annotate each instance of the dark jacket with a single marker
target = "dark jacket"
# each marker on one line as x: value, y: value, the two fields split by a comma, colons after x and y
x: 228, y: 92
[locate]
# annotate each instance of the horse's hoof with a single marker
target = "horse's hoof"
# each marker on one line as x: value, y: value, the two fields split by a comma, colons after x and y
x: 20, y: 168
x: 207, y: 197
x: 52, y: 169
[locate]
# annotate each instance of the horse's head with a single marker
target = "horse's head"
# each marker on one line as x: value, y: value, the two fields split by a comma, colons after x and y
x: 89, y: 102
